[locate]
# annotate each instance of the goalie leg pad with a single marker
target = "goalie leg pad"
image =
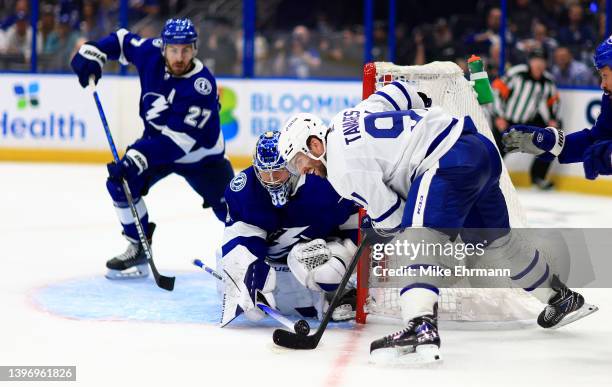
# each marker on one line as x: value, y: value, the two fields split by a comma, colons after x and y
x: 245, y: 277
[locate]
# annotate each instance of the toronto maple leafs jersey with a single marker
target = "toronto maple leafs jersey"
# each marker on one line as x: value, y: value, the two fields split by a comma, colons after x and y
x: 376, y: 149
x: 255, y: 227
x: 180, y: 113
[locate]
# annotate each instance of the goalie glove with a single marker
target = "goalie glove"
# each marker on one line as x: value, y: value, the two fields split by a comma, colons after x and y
x: 247, y: 280
x: 545, y: 142
x: 320, y: 265
x: 88, y: 61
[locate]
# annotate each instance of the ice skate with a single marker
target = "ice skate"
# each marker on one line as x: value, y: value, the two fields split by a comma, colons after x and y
x: 418, y: 343
x: 132, y: 263
x: 565, y: 307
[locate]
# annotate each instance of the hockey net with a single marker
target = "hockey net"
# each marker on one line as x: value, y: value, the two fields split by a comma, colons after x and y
x: 445, y: 84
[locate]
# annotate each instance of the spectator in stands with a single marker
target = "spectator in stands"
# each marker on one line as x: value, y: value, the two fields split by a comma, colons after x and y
x: 108, y: 11
x: 522, y: 15
x: 551, y: 14
x: 492, y: 61
x: 341, y: 54
x: 412, y: 49
x: 297, y: 58
x: 577, y: 35
x: 62, y: 44
x: 351, y: 48
x: 140, y: 9
x: 527, y: 95
x: 442, y: 45
x: 47, y: 23
x: 220, y: 49
x: 569, y: 72
x: 91, y: 27
x: 19, y: 7
x: 262, y: 54
x: 539, y: 41
x: 18, y: 38
x: 379, y: 44
x: 481, y: 42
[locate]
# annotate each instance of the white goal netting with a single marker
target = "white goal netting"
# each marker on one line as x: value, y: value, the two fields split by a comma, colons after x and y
x: 445, y: 84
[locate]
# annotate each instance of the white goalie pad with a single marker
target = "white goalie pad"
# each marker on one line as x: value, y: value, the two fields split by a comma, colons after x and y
x: 320, y: 265
x: 236, y: 293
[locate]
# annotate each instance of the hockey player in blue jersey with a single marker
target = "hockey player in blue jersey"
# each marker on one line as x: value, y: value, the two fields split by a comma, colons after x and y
x: 413, y: 165
x: 180, y: 111
x: 592, y: 147
x: 274, y: 220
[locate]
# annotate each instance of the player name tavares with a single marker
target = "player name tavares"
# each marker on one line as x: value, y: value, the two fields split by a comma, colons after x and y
x: 350, y: 126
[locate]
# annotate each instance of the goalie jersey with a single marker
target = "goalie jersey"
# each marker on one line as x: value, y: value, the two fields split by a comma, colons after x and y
x: 253, y: 223
x: 376, y: 149
x: 180, y: 113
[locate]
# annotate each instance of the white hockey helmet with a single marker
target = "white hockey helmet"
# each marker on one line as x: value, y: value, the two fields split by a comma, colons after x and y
x: 296, y: 132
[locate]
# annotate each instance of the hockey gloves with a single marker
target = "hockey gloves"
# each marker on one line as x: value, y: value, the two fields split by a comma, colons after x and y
x: 544, y: 142
x: 597, y: 160
x: 131, y: 165
x: 87, y: 62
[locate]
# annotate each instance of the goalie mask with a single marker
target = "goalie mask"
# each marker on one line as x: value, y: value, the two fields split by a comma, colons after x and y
x: 271, y: 169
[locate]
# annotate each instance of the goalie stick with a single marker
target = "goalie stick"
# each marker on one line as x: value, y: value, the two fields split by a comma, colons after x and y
x: 166, y: 283
x: 296, y: 341
x: 299, y: 326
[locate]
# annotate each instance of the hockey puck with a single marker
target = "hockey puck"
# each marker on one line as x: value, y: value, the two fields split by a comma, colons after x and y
x: 302, y: 328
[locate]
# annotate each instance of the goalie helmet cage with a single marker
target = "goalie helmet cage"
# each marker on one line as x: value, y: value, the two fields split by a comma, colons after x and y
x: 445, y: 84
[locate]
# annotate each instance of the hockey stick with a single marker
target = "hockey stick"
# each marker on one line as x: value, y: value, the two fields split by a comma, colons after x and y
x: 162, y: 281
x: 299, y: 326
x: 300, y: 341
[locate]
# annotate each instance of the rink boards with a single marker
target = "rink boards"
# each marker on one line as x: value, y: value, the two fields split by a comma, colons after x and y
x: 51, y: 118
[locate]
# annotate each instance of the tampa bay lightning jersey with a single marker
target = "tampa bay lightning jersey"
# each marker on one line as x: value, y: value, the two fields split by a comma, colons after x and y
x: 180, y: 113
x: 313, y: 211
x: 576, y: 143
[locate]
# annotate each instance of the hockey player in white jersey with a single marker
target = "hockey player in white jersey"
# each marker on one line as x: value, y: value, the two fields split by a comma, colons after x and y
x: 410, y: 164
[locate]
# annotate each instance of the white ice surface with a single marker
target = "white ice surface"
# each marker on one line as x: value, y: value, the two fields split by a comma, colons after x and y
x: 57, y: 222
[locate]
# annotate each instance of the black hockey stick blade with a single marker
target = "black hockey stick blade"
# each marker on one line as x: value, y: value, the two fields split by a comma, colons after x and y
x: 294, y: 341
x: 166, y: 283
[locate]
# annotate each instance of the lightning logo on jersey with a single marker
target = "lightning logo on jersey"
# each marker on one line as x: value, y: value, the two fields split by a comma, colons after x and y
x: 284, y: 240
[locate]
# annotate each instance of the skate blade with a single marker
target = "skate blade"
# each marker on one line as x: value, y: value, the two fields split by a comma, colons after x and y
x: 584, y: 311
x: 423, y: 356
x: 134, y: 272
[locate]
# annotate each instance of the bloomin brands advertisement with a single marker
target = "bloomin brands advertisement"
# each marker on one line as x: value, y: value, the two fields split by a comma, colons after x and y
x: 251, y: 107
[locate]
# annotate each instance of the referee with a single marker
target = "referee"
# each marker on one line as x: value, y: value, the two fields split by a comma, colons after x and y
x: 527, y: 95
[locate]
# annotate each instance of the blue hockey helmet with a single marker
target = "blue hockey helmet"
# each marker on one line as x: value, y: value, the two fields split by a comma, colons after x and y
x: 179, y: 31
x: 268, y: 162
x: 603, y: 54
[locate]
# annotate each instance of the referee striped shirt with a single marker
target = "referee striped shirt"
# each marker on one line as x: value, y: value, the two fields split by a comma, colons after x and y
x: 521, y: 98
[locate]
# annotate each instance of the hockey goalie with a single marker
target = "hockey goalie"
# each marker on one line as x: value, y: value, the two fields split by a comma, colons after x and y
x: 287, y: 240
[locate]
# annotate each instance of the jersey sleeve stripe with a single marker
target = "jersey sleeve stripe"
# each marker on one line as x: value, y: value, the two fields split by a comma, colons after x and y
x: 242, y: 229
x: 420, y: 285
x: 389, y: 212
x: 389, y: 99
x: 434, y: 144
x: 121, y: 33
x: 404, y: 91
x: 359, y: 198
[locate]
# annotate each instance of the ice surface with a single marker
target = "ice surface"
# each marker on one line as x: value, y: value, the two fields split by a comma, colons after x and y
x: 58, y: 228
